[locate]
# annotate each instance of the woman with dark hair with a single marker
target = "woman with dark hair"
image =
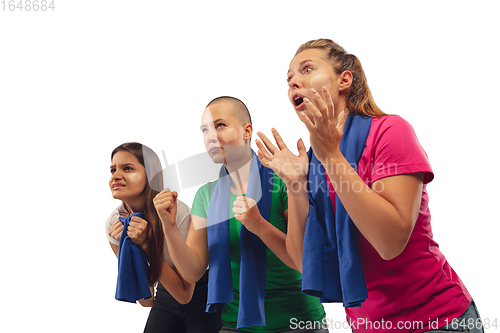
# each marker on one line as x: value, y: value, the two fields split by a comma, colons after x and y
x: 373, y: 210
x: 136, y: 178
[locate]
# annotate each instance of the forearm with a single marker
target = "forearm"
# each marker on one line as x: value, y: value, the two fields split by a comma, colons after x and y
x: 114, y: 248
x: 276, y: 240
x: 150, y: 301
x: 298, y: 210
x: 378, y: 220
x: 185, y: 259
x: 179, y: 288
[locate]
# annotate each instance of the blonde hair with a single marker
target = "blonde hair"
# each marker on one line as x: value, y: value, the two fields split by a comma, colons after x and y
x: 360, y: 99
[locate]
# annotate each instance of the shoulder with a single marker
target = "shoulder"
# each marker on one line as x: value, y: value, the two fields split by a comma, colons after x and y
x: 393, y: 144
x: 392, y: 123
x: 119, y: 211
x: 206, y: 190
x: 202, y: 199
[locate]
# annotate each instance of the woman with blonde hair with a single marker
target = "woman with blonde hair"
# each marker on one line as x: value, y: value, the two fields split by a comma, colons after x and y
x: 366, y: 222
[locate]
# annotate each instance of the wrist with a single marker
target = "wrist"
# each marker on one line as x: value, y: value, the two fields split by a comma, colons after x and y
x: 331, y: 163
x: 262, y: 227
x: 297, y: 186
x: 145, y: 247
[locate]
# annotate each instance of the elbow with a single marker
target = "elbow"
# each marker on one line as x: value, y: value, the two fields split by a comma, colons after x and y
x: 185, y: 299
x: 390, y: 254
x: 396, y: 245
x: 192, y: 279
x: 295, y: 256
x: 186, y: 296
x: 146, y: 303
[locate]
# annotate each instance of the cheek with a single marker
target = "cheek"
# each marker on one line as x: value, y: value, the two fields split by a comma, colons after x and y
x: 318, y: 81
x: 229, y: 135
x: 137, y: 180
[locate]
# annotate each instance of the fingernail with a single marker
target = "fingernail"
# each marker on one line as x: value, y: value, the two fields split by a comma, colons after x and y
x: 325, y: 89
x: 313, y: 91
x: 306, y: 100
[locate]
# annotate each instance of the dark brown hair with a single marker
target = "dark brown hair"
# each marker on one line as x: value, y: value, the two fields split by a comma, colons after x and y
x: 152, y: 164
x: 360, y: 99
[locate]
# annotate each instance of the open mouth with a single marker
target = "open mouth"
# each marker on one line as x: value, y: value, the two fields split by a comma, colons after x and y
x: 115, y: 186
x: 298, y: 100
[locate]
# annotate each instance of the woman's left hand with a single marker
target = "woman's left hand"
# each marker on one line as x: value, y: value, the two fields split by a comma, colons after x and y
x: 246, y: 211
x: 138, y: 231
x: 325, y: 128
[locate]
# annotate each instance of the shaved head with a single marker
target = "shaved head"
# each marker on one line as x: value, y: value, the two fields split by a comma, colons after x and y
x: 240, y: 110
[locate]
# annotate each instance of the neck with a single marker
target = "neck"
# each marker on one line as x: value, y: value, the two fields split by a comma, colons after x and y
x: 338, y: 109
x: 239, y: 171
x: 135, y: 206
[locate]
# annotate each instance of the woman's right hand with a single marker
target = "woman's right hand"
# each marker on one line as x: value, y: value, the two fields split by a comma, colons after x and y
x: 116, y: 229
x: 165, y: 203
x: 289, y: 167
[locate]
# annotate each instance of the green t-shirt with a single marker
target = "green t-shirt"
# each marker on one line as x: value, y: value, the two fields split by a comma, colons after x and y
x: 284, y: 299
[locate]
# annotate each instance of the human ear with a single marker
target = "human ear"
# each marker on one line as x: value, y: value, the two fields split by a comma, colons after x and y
x: 247, y: 132
x: 345, y: 80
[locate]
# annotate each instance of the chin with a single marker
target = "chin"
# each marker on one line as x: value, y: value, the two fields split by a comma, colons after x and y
x: 217, y: 159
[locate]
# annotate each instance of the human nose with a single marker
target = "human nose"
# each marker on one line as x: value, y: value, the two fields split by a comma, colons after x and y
x: 294, y: 82
x: 116, y: 175
x: 212, y: 135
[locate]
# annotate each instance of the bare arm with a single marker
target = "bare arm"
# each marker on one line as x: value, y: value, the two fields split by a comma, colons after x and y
x: 298, y: 208
x: 386, y: 214
x: 292, y: 170
x: 190, y: 257
x: 274, y: 238
x: 175, y: 284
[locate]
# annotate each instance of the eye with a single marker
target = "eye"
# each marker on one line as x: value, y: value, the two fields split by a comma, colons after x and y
x: 219, y: 125
x: 112, y: 171
x: 127, y: 168
x: 288, y: 79
x: 307, y: 69
x: 204, y: 130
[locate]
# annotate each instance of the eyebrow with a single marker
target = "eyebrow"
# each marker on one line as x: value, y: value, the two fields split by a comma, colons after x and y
x: 124, y: 164
x: 216, y: 120
x: 300, y: 64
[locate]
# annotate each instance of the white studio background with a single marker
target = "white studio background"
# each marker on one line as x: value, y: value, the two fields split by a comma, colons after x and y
x: 77, y: 81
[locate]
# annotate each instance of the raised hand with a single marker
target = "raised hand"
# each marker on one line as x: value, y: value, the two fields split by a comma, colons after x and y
x: 246, y: 211
x: 138, y: 231
x: 116, y: 229
x: 325, y: 126
x: 288, y: 166
x: 165, y: 203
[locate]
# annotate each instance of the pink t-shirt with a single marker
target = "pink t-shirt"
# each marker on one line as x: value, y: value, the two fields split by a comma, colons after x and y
x: 418, y: 287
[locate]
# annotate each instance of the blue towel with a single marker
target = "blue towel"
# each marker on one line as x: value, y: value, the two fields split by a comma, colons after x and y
x: 331, y: 264
x: 253, y: 250
x: 132, y: 283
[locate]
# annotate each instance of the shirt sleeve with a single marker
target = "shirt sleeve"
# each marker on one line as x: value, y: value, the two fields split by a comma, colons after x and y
x: 397, y: 151
x: 183, y: 218
x: 109, y: 222
x: 201, y: 200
